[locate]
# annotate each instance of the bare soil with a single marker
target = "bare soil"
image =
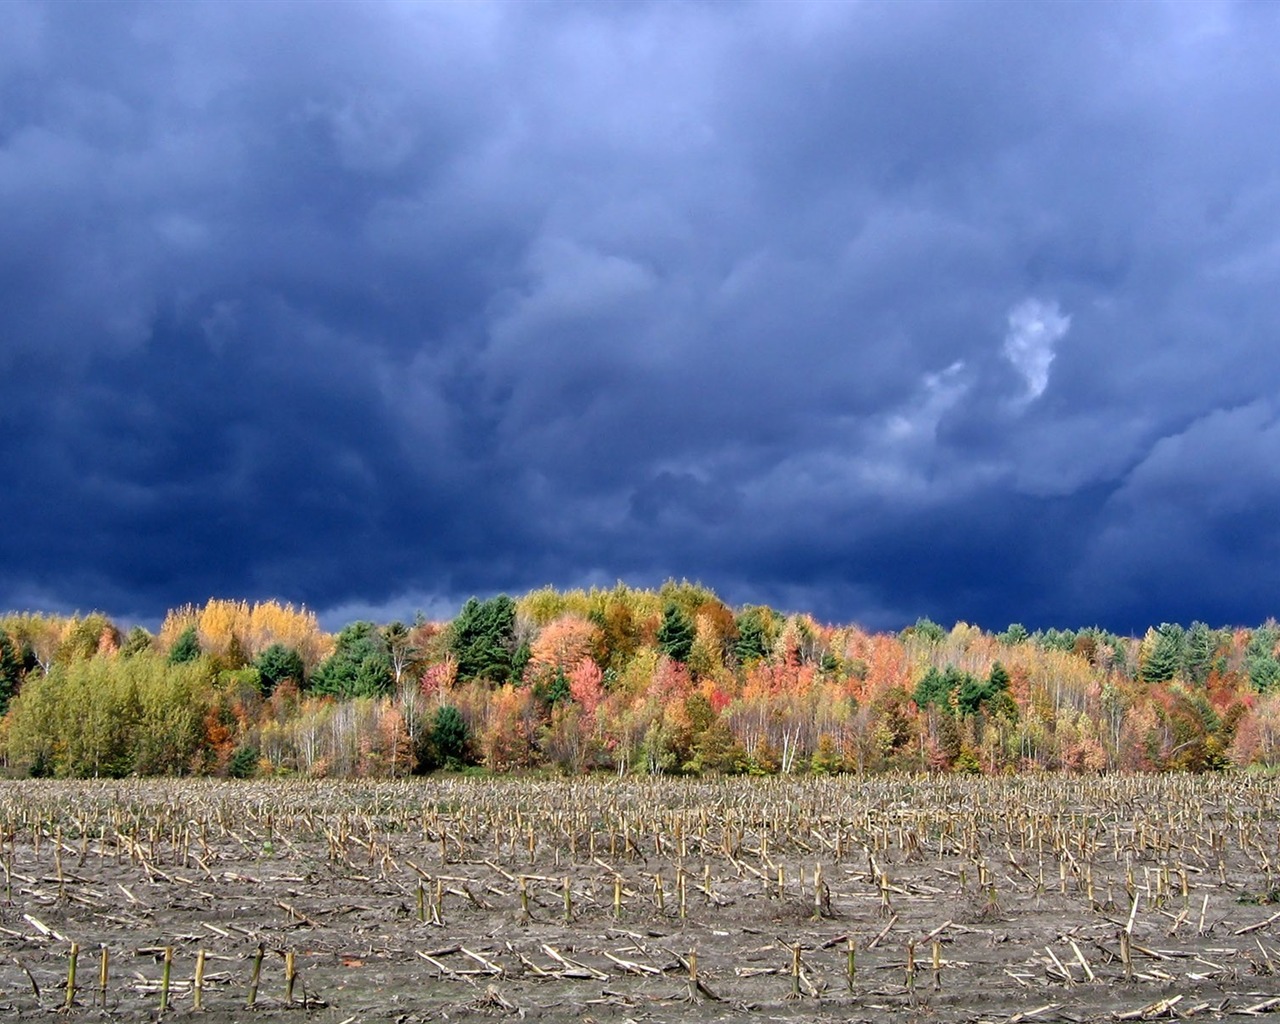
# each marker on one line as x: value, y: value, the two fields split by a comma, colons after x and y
x: 1041, y: 899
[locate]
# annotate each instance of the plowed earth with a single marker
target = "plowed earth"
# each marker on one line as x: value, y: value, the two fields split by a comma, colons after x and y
x: 1033, y: 900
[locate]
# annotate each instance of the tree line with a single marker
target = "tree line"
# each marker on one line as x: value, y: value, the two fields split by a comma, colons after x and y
x: 623, y: 679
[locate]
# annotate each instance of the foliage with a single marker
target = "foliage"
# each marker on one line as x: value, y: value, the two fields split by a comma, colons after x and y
x: 676, y: 634
x: 975, y: 694
x: 483, y: 639
x: 11, y: 670
x: 669, y: 681
x: 942, y: 689
x: 107, y: 716
x: 1014, y: 635
x: 925, y: 630
x: 552, y: 690
x: 252, y: 628
x: 359, y: 666
x: 563, y: 643
x: 450, y: 737
x: 1264, y: 668
x: 278, y: 663
x: 1162, y: 653
x: 1201, y: 648
x: 244, y: 763
x: 404, y: 648
x: 186, y: 647
x: 137, y: 641
x: 753, y: 641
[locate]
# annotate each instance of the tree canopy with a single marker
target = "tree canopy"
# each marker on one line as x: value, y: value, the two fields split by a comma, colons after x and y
x: 625, y: 679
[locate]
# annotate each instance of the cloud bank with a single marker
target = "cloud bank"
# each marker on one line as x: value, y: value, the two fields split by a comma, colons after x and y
x: 875, y: 310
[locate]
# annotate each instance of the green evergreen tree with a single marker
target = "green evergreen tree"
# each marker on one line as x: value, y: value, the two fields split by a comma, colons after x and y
x: 675, y: 635
x: 278, y: 663
x: 1264, y: 669
x: 10, y: 671
x: 1057, y: 640
x: 185, y: 648
x: 520, y: 660
x: 359, y: 665
x: 937, y: 687
x: 554, y: 690
x: 243, y: 763
x: 1014, y: 635
x: 1201, y: 646
x: 752, y: 642
x: 450, y: 737
x: 971, y: 694
x: 927, y: 630
x: 483, y: 639
x: 1166, y: 656
x: 976, y: 694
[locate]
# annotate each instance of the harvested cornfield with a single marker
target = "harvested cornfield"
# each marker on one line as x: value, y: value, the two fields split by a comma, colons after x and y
x: 1031, y: 899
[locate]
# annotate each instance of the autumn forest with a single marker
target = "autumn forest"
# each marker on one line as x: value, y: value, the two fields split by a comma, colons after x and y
x: 672, y: 681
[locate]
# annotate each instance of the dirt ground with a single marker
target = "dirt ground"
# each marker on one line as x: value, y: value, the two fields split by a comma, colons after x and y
x: 403, y: 901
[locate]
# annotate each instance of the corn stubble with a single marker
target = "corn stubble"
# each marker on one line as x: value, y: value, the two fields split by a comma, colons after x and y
x: 1021, y: 899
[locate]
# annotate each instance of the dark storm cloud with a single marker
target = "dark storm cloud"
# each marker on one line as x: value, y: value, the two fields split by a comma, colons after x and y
x: 877, y: 310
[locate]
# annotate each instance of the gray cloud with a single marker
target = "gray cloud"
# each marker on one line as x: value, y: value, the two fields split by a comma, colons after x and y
x: 378, y: 306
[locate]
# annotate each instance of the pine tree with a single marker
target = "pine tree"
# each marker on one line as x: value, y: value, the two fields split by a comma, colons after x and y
x: 449, y: 735
x: 278, y: 663
x: 1014, y: 635
x: 483, y: 639
x: 1260, y: 656
x: 675, y: 635
x: 10, y: 671
x: 185, y: 648
x: 927, y: 630
x: 752, y: 643
x: 1202, y: 645
x: 359, y: 665
x: 1162, y: 651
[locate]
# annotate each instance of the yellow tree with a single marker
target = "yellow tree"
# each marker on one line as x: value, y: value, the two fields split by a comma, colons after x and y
x: 222, y: 626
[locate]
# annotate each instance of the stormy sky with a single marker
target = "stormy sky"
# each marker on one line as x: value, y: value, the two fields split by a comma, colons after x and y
x: 875, y: 310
